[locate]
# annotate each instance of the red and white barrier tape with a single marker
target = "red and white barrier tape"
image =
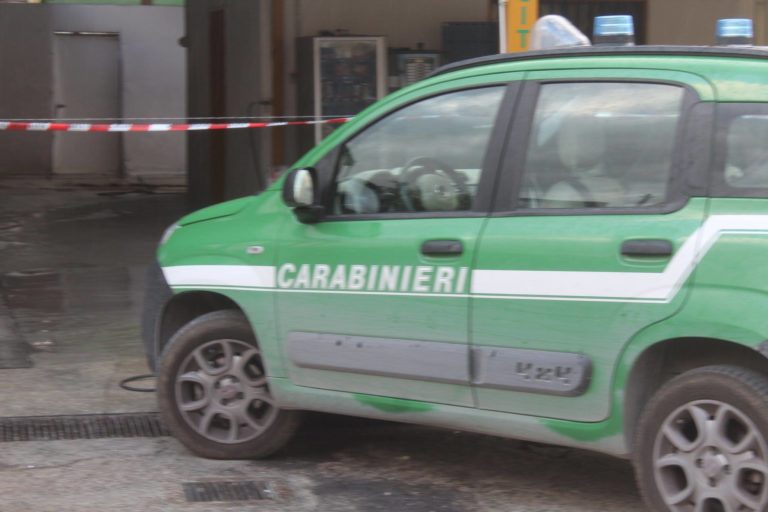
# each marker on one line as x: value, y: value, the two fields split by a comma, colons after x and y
x: 154, y: 127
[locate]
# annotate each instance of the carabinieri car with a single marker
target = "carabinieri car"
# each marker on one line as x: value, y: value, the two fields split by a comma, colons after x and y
x: 565, y: 246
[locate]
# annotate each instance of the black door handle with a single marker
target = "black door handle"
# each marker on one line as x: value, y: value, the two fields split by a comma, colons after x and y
x: 442, y: 247
x: 647, y: 248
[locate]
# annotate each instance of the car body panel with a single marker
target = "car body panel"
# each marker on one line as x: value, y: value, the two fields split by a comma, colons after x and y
x: 582, y: 296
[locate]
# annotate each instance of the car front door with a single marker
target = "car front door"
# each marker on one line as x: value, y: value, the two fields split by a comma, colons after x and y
x: 374, y: 298
x: 595, y: 239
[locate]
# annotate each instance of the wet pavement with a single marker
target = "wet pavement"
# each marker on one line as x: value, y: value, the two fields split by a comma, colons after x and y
x: 72, y: 266
x: 71, y: 281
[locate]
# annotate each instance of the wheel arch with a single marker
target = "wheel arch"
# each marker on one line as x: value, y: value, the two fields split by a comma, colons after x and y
x: 664, y: 360
x: 184, y: 307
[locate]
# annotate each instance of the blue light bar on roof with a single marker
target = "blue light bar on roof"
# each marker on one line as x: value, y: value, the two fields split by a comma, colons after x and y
x: 735, y: 32
x: 614, y: 31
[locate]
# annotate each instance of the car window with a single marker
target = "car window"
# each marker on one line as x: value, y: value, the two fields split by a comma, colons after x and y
x: 746, y: 163
x: 426, y: 157
x: 741, y: 158
x: 601, y: 145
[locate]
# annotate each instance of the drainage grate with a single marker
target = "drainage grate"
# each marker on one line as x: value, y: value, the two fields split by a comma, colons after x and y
x: 92, y: 426
x: 228, y: 491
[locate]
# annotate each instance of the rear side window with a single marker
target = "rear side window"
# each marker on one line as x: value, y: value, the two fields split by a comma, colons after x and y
x: 742, y: 151
x: 601, y: 145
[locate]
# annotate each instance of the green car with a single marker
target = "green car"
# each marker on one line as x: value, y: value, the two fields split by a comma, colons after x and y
x: 565, y: 246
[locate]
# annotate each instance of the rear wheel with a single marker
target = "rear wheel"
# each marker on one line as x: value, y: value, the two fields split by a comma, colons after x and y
x: 213, y: 393
x: 701, y: 444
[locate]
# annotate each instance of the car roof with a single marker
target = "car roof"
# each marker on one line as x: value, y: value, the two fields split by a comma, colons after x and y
x: 601, y: 51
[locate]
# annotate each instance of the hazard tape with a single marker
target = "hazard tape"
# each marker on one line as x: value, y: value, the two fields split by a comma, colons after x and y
x: 153, y: 127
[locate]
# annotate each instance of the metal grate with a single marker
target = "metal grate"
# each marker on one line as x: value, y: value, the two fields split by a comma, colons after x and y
x: 97, y: 426
x: 248, y: 490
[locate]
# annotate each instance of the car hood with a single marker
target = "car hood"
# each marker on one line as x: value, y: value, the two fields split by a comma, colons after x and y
x: 217, y: 211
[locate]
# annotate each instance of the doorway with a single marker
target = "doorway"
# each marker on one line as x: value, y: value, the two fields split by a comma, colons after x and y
x: 86, y: 74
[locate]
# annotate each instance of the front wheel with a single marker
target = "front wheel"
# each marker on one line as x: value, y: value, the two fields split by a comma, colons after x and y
x: 701, y: 443
x: 213, y: 393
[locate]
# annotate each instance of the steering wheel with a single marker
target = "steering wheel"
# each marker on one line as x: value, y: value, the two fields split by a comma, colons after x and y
x: 375, y: 194
x: 428, y: 184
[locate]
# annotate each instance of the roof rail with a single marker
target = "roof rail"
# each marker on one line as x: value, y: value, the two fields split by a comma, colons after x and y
x: 602, y: 51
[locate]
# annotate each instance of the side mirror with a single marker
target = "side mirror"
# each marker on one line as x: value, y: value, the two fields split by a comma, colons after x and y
x: 300, y: 193
x: 299, y: 188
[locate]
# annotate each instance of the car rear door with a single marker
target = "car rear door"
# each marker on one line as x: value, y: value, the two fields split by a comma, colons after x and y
x: 595, y: 236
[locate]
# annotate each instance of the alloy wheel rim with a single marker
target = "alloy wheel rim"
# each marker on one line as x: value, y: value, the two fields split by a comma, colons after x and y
x: 222, y: 393
x: 710, y: 457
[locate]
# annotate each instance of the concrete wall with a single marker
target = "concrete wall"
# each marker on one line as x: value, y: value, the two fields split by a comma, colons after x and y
x: 247, y: 66
x: 153, y: 73
x: 404, y: 22
x: 234, y: 163
x: 25, y: 88
x: 200, y: 172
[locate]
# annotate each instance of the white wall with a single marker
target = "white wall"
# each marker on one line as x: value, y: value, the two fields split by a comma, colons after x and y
x: 154, y: 81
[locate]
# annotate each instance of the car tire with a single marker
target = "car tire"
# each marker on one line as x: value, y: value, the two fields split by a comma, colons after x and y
x: 702, y: 442
x: 213, y: 394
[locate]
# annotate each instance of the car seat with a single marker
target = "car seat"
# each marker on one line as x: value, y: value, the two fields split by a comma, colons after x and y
x: 581, y: 146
